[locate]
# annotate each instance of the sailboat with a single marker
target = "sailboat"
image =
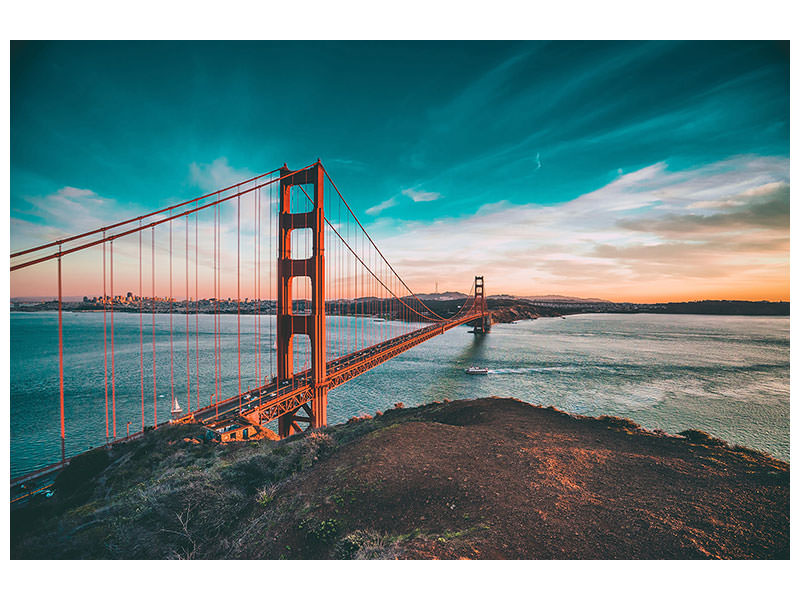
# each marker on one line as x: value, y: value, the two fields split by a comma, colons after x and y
x: 176, y: 408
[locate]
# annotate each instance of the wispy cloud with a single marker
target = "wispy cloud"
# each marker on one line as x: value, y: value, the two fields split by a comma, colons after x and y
x: 767, y: 210
x: 421, y: 196
x: 379, y: 208
x: 67, y: 211
x: 347, y: 163
x: 217, y: 174
x: 477, y: 94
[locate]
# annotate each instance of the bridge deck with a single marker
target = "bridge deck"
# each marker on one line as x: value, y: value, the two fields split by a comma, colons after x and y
x: 268, y: 402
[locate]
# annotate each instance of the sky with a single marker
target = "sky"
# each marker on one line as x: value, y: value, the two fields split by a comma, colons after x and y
x: 631, y: 171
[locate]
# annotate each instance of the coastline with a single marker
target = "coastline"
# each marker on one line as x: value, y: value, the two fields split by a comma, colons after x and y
x: 503, y: 310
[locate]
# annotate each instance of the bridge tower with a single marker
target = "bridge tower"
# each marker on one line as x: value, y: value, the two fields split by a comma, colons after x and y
x: 289, y: 324
x: 484, y: 323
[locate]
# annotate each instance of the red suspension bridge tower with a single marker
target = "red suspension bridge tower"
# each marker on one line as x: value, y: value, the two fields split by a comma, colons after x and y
x: 288, y: 323
x: 484, y: 323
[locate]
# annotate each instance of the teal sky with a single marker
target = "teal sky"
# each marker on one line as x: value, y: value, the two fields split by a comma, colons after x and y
x: 662, y: 167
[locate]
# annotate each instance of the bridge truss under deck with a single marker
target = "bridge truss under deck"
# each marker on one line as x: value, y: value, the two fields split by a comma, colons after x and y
x: 270, y: 402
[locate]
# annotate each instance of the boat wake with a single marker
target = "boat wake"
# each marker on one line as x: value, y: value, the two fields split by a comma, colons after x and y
x: 525, y: 370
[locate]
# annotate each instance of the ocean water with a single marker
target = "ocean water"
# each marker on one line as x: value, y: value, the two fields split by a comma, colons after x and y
x: 726, y: 375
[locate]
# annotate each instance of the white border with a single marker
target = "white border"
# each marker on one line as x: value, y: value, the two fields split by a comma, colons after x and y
x: 413, y: 19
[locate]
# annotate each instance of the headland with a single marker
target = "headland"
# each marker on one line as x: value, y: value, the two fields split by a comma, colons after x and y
x: 484, y: 479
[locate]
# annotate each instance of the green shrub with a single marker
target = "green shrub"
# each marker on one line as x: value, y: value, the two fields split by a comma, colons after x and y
x: 364, y: 544
x: 321, y: 533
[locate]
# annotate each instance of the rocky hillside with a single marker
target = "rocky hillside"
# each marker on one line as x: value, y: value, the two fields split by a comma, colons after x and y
x: 507, y: 311
x: 488, y: 478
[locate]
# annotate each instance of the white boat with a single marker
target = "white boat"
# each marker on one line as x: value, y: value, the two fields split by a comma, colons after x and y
x: 176, y: 408
x: 476, y: 371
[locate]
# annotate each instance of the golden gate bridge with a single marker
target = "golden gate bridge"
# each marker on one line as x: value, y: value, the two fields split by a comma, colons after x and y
x: 291, y: 251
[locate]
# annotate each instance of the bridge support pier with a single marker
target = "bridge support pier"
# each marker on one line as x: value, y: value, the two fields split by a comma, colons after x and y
x: 288, y: 323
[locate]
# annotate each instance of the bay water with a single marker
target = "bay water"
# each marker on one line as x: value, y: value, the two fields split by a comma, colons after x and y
x: 727, y: 375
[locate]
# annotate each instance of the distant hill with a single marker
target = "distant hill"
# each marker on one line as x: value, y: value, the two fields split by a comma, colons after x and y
x: 552, y: 298
x: 566, y: 299
x: 45, y: 298
x: 444, y: 296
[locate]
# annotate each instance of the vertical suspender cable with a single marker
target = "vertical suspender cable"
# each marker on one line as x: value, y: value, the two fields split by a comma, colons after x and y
x: 105, y: 338
x: 239, y: 291
x: 307, y: 294
x: 370, y: 289
x: 61, y: 362
x: 257, y: 280
x: 272, y: 234
x: 359, y: 294
x: 186, y: 299
x: 362, y: 295
x: 196, y: 312
x: 214, y: 285
x: 355, y: 301
x: 217, y: 323
x: 113, y: 378
x: 141, y: 325
x: 153, y: 302
x: 219, y: 298
x: 348, y: 288
x: 214, y: 288
x: 171, y: 357
x: 335, y: 294
x: 219, y: 289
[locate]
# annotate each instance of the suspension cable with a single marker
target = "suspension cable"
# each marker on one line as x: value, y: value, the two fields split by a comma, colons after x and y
x: 128, y: 221
x: 440, y: 318
x: 376, y: 246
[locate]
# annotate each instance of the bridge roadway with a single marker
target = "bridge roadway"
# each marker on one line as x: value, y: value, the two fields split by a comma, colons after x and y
x: 268, y: 402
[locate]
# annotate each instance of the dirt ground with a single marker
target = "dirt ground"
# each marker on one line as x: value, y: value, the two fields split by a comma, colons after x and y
x: 498, y: 478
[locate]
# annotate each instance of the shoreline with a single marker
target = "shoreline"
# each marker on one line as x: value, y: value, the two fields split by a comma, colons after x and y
x: 503, y: 310
x: 372, y: 316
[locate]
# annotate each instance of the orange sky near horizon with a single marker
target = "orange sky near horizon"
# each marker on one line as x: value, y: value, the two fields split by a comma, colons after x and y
x: 41, y: 281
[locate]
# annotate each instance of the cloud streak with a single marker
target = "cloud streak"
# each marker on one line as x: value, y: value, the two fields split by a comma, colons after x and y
x: 641, y: 236
x: 421, y: 196
x: 217, y: 175
x: 67, y: 211
x: 379, y: 208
